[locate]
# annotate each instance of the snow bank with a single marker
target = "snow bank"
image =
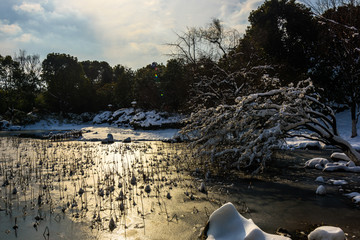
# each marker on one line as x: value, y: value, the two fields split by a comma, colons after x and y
x: 327, y: 233
x: 227, y: 224
x: 327, y: 166
x: 138, y: 118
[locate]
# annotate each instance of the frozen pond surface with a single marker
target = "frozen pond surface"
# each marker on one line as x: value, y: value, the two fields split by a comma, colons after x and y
x: 149, y: 190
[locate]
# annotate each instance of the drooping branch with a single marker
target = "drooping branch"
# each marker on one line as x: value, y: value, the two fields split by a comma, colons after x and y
x: 246, y: 132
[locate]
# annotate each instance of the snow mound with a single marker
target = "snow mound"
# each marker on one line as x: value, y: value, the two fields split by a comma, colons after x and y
x: 227, y: 224
x: 327, y: 233
x: 339, y: 156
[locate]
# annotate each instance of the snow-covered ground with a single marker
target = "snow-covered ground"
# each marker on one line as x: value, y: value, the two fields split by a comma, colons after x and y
x: 118, y: 124
x: 344, y: 127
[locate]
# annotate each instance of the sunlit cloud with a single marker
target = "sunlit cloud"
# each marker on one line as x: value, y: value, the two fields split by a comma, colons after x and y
x: 9, y: 29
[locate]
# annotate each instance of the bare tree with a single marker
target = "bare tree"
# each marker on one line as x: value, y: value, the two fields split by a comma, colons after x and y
x: 212, y: 42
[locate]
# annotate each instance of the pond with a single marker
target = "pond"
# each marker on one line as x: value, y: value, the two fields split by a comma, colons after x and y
x: 150, y: 190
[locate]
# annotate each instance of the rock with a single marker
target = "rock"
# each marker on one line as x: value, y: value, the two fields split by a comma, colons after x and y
x: 108, y: 140
x: 127, y: 140
x: 321, y: 190
x: 327, y: 233
x: 202, y: 188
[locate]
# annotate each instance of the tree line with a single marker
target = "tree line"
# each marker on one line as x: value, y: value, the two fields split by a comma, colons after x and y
x: 61, y: 83
x: 208, y: 66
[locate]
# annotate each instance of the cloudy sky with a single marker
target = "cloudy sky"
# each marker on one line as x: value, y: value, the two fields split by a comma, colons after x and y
x: 128, y: 32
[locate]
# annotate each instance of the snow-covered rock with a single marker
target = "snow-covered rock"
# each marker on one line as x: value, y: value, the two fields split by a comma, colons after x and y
x: 339, y: 156
x: 320, y: 179
x: 318, y: 163
x: 341, y: 166
x: 327, y: 166
x: 226, y: 223
x: 338, y: 182
x: 321, y: 190
x: 327, y: 233
x: 355, y: 196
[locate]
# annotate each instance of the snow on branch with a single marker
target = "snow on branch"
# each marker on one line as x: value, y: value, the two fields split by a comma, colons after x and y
x: 245, y: 134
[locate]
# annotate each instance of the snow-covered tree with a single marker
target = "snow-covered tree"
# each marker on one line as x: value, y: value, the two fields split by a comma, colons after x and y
x: 246, y: 133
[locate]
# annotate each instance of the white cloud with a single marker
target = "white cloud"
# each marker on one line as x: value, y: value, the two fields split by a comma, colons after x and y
x: 9, y: 29
x: 26, y: 38
x: 29, y: 7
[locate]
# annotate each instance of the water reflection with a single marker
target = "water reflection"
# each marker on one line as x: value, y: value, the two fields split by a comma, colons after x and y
x: 67, y: 190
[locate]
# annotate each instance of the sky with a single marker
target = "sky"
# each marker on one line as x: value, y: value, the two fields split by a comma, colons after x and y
x: 132, y: 33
